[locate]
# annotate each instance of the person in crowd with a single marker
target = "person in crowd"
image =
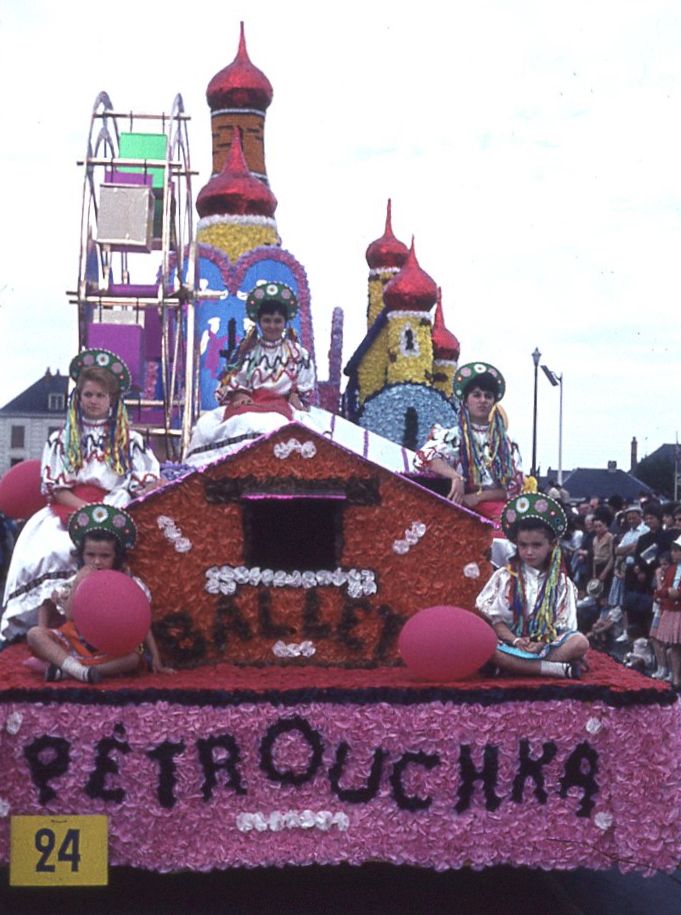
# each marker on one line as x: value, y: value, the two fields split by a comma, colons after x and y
x: 602, y: 549
x: 270, y: 382
x: 582, y: 559
x: 624, y: 556
x: 661, y: 651
x: 102, y: 535
x: 531, y: 602
x: 94, y: 457
x: 477, y: 456
x: 669, y: 596
x: 638, y: 580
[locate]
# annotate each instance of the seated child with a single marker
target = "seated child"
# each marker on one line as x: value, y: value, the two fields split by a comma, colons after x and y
x: 531, y: 602
x: 101, y: 534
x: 271, y: 381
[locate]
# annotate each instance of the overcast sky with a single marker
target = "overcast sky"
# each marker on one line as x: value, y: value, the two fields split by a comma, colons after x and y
x: 532, y: 148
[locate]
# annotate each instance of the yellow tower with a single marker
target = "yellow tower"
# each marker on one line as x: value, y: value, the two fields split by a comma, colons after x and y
x: 408, y: 298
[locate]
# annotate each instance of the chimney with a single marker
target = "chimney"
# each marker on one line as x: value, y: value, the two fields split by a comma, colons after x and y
x: 634, y: 455
x: 612, y: 466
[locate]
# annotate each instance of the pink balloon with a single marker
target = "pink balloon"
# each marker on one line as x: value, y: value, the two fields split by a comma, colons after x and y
x: 111, y: 612
x: 445, y: 643
x: 20, y: 495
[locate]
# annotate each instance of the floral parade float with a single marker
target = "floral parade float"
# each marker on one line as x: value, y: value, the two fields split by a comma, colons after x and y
x: 282, y: 576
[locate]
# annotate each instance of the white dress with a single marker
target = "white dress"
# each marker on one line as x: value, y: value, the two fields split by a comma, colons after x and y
x: 43, y: 557
x: 494, y: 600
x: 279, y: 369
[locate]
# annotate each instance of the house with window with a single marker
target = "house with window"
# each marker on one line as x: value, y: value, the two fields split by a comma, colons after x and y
x: 28, y: 419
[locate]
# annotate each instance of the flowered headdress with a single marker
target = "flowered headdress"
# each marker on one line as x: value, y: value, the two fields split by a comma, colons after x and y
x: 101, y: 517
x: 496, y: 454
x: 117, y: 447
x: 268, y: 294
x: 538, y: 622
x: 467, y: 374
x: 533, y: 505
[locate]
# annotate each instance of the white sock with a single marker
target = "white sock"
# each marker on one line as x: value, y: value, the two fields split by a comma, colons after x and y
x: 553, y: 668
x: 75, y: 669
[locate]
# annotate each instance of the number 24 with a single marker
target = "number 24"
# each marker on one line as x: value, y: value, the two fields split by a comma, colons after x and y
x: 69, y: 850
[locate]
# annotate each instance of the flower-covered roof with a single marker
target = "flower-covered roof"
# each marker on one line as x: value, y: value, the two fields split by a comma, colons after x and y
x: 445, y: 344
x: 387, y: 251
x: 239, y: 85
x: 235, y: 191
x: 411, y: 289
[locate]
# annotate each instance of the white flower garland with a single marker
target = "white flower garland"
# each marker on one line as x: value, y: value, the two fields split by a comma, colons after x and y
x: 306, y: 450
x: 226, y: 579
x: 411, y: 537
x: 293, y: 649
x: 13, y: 723
x: 292, y: 819
x: 236, y: 220
x: 173, y: 534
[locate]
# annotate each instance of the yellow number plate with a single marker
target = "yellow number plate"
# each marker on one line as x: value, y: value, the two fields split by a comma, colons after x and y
x: 59, y: 851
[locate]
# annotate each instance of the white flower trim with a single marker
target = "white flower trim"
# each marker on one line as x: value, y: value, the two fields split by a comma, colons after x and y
x: 13, y: 723
x: 594, y: 725
x: 292, y: 819
x: 226, y: 579
x: 293, y: 649
x: 306, y: 450
x: 377, y: 272
x: 236, y: 220
x: 471, y: 570
x: 604, y: 820
x: 420, y: 315
x: 4, y: 807
x: 173, y: 534
x: 412, y: 535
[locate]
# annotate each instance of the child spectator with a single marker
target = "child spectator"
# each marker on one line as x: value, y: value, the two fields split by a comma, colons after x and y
x: 669, y: 596
x: 531, y: 602
x: 101, y: 534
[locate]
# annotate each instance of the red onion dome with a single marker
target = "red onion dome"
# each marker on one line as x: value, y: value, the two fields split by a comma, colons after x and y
x: 445, y: 344
x: 412, y: 289
x: 387, y: 251
x: 235, y: 191
x: 240, y: 85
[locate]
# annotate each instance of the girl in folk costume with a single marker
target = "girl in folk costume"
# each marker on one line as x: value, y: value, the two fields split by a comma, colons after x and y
x: 531, y: 602
x: 101, y: 534
x: 95, y: 457
x: 477, y: 455
x: 669, y: 596
x: 270, y: 382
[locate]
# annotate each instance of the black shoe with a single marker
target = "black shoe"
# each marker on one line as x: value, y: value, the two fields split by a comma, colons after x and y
x: 573, y: 670
x: 53, y: 673
x: 93, y: 675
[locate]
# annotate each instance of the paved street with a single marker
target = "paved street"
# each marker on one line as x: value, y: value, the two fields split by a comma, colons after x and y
x: 370, y: 889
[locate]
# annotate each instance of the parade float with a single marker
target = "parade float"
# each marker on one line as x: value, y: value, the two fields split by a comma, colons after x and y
x: 282, y: 576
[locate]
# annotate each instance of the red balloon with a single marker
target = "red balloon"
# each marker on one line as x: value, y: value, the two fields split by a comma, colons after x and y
x: 446, y: 643
x: 111, y: 612
x: 20, y: 495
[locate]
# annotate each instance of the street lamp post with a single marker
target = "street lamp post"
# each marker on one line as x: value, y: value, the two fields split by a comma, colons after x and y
x: 558, y: 380
x: 536, y: 356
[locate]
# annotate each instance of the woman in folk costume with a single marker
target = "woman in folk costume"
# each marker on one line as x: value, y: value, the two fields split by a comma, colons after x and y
x: 95, y: 457
x: 531, y: 601
x: 270, y: 382
x: 477, y: 455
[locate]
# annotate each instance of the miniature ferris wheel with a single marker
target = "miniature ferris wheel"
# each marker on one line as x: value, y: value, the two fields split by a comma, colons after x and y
x: 136, y: 273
